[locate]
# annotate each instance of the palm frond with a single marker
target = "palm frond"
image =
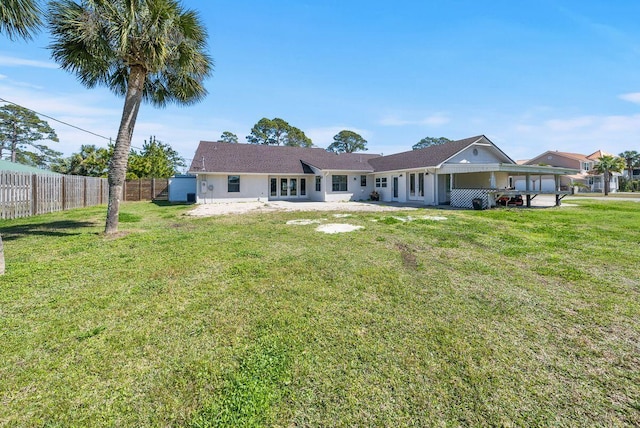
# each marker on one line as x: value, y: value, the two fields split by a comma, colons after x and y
x: 19, y: 18
x: 100, y: 40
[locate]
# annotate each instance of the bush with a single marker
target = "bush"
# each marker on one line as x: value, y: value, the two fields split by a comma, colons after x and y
x: 627, y: 185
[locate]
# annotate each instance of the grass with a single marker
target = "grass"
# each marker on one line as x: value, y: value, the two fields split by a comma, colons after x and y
x: 507, y: 317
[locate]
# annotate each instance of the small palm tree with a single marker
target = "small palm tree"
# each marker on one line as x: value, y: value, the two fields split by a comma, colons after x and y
x: 151, y: 50
x: 606, y: 166
x: 19, y: 18
x: 632, y: 159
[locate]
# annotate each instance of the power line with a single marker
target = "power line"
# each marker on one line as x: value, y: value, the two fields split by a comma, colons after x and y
x: 59, y: 121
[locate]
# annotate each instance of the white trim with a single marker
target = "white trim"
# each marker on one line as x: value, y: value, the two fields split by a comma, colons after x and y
x: 501, y: 167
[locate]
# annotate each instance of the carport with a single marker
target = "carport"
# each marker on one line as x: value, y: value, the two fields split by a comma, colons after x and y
x: 489, y: 182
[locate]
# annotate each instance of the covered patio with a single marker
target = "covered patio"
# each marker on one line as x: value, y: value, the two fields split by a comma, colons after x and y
x: 490, y: 182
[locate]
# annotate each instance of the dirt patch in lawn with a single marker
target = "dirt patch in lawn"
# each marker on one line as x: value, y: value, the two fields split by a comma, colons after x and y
x: 337, y: 228
x: 225, y: 208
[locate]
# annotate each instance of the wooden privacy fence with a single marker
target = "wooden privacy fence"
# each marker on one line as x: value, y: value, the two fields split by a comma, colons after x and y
x: 25, y: 194
x: 146, y: 189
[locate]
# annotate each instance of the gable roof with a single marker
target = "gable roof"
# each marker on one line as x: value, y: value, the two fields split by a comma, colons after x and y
x: 597, y: 155
x: 217, y: 156
x: 572, y: 156
x: 428, y: 157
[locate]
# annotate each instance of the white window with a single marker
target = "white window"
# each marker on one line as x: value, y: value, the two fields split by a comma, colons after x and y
x: 339, y: 183
x: 233, y: 183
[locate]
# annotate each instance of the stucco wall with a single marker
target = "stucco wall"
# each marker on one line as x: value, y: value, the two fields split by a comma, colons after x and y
x: 552, y: 159
x: 430, y: 189
x: 355, y: 192
x: 484, y: 155
x: 481, y: 180
x: 252, y: 187
x: 384, y: 192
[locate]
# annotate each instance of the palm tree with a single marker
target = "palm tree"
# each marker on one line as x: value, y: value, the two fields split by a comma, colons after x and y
x: 151, y: 50
x: 631, y: 157
x: 606, y: 166
x: 19, y: 18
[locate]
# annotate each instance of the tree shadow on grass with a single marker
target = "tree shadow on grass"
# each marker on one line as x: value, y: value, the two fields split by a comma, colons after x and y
x: 51, y: 228
x: 163, y: 203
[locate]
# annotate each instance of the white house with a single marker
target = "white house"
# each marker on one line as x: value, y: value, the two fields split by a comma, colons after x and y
x: 454, y: 173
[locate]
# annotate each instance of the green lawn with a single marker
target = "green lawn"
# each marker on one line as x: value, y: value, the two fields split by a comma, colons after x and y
x: 507, y: 317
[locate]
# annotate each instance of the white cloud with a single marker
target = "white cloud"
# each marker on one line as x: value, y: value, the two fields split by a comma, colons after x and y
x: 436, y: 119
x: 11, y: 61
x: 99, y: 111
x: 582, y: 134
x: 571, y: 124
x: 633, y: 97
x: 621, y: 124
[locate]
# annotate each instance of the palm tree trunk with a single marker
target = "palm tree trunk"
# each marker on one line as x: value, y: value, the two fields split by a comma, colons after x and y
x: 607, y: 182
x: 118, y: 166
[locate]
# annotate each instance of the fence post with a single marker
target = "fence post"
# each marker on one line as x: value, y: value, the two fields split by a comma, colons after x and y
x: 34, y: 194
x: 64, y: 193
x: 84, y: 195
x: 153, y: 189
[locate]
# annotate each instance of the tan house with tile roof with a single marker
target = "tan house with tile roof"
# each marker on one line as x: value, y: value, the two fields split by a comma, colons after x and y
x: 454, y: 173
x: 585, y: 180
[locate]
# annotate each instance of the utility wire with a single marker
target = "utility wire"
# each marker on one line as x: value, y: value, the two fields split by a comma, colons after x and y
x: 59, y: 121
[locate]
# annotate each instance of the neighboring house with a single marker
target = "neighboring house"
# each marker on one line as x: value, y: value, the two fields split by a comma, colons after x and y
x: 587, y: 179
x: 634, y: 176
x: 6, y: 165
x: 454, y: 173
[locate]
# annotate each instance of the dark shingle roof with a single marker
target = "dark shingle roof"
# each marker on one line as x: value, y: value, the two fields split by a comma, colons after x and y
x: 422, y: 158
x: 260, y: 159
x: 254, y: 158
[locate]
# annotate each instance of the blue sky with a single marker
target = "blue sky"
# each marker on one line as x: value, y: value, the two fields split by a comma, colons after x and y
x: 530, y: 75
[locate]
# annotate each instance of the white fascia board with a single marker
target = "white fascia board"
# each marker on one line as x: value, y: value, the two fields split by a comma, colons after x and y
x: 345, y: 171
x: 405, y: 170
x: 459, y: 151
x: 501, y: 167
x: 252, y: 173
x: 482, y: 141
